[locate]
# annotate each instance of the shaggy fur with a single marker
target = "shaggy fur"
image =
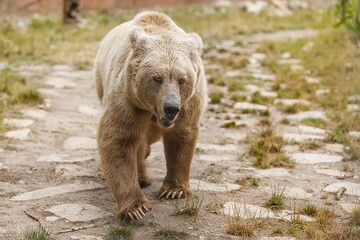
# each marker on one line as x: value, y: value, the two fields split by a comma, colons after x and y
x: 141, y: 66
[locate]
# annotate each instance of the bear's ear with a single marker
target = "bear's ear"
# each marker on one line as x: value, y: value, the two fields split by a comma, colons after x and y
x: 196, y: 39
x: 138, y: 39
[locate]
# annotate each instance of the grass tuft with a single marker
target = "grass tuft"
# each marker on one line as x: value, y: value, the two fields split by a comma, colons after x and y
x: 36, y: 234
x: 241, y: 227
x: 355, y: 217
x: 189, y: 206
x: 309, y: 210
x: 118, y: 233
x: 277, y: 199
x: 267, y: 150
x: 216, y: 97
x: 249, y: 181
x: 166, y: 233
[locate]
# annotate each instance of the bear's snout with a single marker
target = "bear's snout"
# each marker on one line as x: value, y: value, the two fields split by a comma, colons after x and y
x: 171, y: 110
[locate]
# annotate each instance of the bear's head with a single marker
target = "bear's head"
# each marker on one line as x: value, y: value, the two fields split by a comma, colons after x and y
x: 163, y: 72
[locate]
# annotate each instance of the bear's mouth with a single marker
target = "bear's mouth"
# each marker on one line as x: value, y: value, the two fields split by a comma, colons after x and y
x: 166, y: 122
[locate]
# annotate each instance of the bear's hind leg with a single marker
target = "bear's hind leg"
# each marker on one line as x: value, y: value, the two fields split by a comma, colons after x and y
x: 142, y: 152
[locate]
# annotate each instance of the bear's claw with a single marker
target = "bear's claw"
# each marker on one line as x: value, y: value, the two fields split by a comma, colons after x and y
x: 171, y: 194
x: 138, y: 213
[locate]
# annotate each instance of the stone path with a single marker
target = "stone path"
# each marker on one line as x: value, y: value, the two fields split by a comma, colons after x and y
x: 49, y: 162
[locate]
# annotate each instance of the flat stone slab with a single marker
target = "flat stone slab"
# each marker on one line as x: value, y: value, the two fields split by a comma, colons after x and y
x: 355, y: 134
x: 35, y: 113
x: 298, y: 137
x: 312, y: 80
x: 19, y: 123
x: 73, y: 143
x: 269, y: 94
x: 78, y: 212
x: 87, y: 110
x: 58, y: 190
x: 273, y: 172
x: 72, y: 170
x: 290, y: 102
x: 3, y: 166
x: 250, y: 106
x: 315, y: 158
x: 215, y: 158
x: 218, y: 147
x: 252, y: 88
x: 311, y: 130
x: 291, y: 192
x: 63, y: 158
x: 264, y: 76
x: 354, y: 98
x: 20, y: 134
x: 307, y: 114
x: 60, y: 82
x: 196, y: 184
x: 289, y: 61
x: 349, y: 207
x: 352, y: 107
x: 334, y: 147
x: 352, y: 189
x: 246, y: 211
x: 331, y: 172
x: 284, y: 36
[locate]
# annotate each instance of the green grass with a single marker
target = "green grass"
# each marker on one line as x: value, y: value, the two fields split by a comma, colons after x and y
x: 246, y: 181
x: 216, y: 97
x: 237, y: 226
x: 291, y: 109
x: 355, y: 217
x: 340, y: 75
x: 189, y: 206
x: 277, y: 199
x: 314, y: 122
x: 119, y: 233
x: 168, y: 234
x: 36, y: 234
x: 15, y: 90
x: 267, y: 150
x: 309, y: 210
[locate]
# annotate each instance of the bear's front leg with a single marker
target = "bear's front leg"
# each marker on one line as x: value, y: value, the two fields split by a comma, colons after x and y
x: 179, y: 143
x: 118, y: 144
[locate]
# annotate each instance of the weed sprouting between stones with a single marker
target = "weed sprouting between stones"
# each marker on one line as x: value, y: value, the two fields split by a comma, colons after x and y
x: 277, y: 199
x: 267, y: 150
x: 309, y: 210
x: 120, y: 232
x: 36, y: 234
x: 188, y: 206
x: 168, y: 234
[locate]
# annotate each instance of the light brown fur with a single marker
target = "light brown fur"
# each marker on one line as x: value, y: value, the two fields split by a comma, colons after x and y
x: 131, y: 57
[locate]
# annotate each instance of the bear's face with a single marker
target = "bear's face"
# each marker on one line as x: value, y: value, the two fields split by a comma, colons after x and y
x: 164, y: 73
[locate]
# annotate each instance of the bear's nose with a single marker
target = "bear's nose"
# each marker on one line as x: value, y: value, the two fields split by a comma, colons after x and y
x: 171, y: 111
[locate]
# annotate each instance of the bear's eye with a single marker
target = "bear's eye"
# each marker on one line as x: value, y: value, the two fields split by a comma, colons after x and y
x: 158, y: 79
x: 181, y: 81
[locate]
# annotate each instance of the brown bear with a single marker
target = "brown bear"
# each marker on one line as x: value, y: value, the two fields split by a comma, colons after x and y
x: 150, y: 80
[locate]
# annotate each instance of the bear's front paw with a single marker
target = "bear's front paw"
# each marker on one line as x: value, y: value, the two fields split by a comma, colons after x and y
x: 174, y: 193
x: 137, y: 211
